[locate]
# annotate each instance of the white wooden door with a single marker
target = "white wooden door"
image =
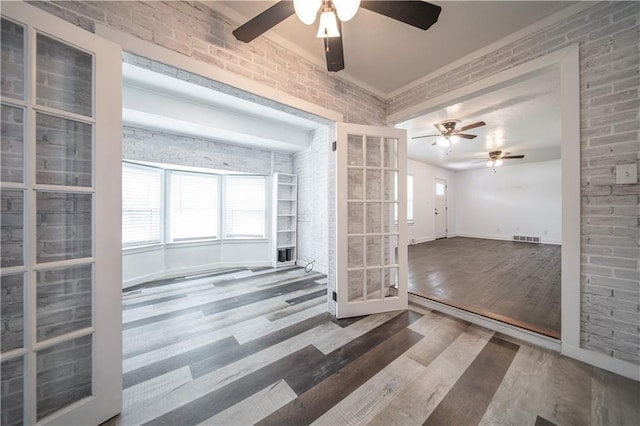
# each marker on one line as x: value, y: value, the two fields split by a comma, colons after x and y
x: 371, y: 250
x: 440, y: 213
x: 61, y: 215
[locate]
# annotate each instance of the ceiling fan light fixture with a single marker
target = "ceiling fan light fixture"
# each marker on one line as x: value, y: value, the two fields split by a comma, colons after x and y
x: 490, y: 163
x: 454, y: 139
x: 306, y: 10
x: 443, y: 141
x: 346, y: 9
x: 328, y: 25
x: 498, y: 162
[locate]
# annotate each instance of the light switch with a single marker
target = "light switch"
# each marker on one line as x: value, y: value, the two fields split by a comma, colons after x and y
x: 627, y: 173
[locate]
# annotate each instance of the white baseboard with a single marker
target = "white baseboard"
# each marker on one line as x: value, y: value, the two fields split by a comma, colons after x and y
x: 618, y: 366
x: 421, y: 240
x: 178, y: 272
x: 509, y: 330
x: 501, y: 238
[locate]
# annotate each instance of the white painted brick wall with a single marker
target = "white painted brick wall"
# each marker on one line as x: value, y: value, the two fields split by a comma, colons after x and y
x: 609, y: 38
x: 194, y: 30
x: 311, y: 166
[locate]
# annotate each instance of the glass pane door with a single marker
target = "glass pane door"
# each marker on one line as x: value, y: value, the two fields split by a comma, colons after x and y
x: 51, y: 273
x: 371, y: 175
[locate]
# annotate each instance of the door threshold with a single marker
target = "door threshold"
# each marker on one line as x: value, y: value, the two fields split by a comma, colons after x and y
x: 528, y: 336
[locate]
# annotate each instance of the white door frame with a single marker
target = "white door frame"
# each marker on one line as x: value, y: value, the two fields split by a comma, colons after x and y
x: 106, y: 398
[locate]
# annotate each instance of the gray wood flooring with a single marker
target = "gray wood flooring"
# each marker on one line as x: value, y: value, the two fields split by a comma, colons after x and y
x: 514, y: 282
x: 242, y: 347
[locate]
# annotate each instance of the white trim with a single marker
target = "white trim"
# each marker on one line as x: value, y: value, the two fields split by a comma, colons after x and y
x: 147, y: 49
x: 504, y: 238
x: 491, y: 324
x: 528, y: 30
x: 618, y: 366
x: 177, y: 272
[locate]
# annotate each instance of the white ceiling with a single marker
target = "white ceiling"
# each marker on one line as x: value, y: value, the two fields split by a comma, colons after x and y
x: 522, y: 118
x: 383, y: 54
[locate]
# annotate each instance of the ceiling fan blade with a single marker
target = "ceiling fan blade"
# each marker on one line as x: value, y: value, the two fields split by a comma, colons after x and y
x: 484, y: 160
x: 440, y: 127
x: 425, y: 136
x: 333, y: 51
x: 264, y: 21
x: 418, y: 14
x: 462, y: 135
x: 511, y: 157
x: 472, y: 126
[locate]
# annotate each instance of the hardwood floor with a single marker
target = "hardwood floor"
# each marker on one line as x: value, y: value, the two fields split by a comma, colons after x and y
x: 206, y: 350
x: 514, y: 282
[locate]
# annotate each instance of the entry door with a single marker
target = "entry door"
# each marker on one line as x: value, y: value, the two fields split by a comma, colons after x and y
x: 441, y: 209
x: 61, y: 215
x: 371, y: 242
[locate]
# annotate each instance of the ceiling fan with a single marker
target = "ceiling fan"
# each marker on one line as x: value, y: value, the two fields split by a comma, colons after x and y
x: 449, y: 135
x: 416, y: 13
x: 496, y: 158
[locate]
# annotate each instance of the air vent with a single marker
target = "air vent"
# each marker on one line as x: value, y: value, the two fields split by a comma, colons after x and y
x: 526, y: 239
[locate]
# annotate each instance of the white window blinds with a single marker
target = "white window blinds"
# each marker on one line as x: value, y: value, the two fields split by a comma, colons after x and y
x: 245, y: 206
x: 141, y: 205
x: 193, y: 202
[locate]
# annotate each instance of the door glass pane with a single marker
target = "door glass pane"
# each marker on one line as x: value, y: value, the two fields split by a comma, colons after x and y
x: 373, y: 184
x: 64, y: 77
x: 390, y: 185
x: 356, y: 285
x: 355, y: 221
x: 354, y: 150
x: 389, y: 245
x: 12, y: 382
x: 390, y: 153
x: 389, y: 279
x: 374, y: 219
x: 64, y: 375
x: 354, y: 184
x: 11, y: 135
x: 373, y: 151
x: 12, y: 63
x: 64, y: 300
x: 12, y: 311
x: 374, y: 252
x: 63, y: 151
x: 63, y: 226
x: 356, y: 252
x: 11, y: 225
x: 373, y: 283
x: 389, y: 217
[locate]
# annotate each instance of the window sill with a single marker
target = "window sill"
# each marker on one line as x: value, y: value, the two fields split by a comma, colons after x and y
x: 142, y: 248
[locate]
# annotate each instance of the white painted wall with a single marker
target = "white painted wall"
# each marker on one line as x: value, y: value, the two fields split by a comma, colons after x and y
x: 522, y: 199
x: 424, y: 177
x: 166, y: 260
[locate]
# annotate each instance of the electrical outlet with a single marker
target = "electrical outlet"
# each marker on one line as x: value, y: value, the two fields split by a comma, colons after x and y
x: 626, y: 173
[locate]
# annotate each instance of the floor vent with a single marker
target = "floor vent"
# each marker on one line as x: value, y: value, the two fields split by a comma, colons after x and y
x: 526, y: 239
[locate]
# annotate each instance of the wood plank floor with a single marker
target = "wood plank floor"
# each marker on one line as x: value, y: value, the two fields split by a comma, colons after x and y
x: 514, y: 282
x: 206, y: 350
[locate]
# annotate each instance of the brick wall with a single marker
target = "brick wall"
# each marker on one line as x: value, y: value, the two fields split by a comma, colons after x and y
x: 12, y: 386
x: 609, y: 39
x: 194, y: 30
x: 12, y: 64
x: 11, y: 227
x: 311, y: 166
x: 159, y: 147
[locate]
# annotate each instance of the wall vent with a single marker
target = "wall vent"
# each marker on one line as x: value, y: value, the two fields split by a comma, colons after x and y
x: 526, y: 239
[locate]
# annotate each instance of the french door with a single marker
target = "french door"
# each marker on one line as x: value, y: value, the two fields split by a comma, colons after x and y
x: 371, y: 249
x: 61, y: 216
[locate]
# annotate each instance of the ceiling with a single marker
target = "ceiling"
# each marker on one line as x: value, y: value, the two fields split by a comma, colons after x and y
x: 522, y: 118
x: 155, y: 101
x: 395, y: 54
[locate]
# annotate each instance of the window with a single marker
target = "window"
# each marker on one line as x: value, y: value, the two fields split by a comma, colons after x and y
x: 141, y: 205
x: 244, y: 206
x: 410, y: 198
x: 440, y: 189
x: 193, y: 206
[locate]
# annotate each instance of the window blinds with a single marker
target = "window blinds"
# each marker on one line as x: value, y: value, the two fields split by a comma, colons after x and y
x: 141, y: 205
x: 245, y: 206
x: 193, y: 206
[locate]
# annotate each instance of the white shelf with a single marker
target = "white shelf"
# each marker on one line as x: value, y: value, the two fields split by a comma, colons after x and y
x: 284, y: 225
